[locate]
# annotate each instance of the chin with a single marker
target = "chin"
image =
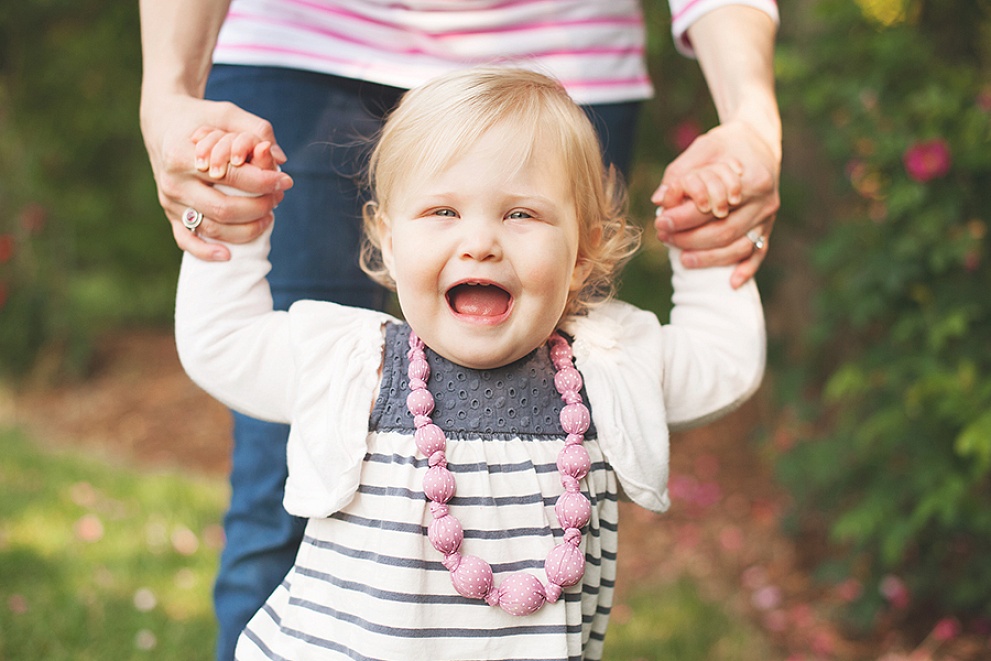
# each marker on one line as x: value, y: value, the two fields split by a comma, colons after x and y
x: 478, y: 355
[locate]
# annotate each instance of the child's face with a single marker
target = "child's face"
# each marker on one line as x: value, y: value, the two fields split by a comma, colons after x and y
x: 485, y: 253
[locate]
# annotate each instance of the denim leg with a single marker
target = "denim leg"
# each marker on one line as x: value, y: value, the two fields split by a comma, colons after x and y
x: 616, y: 125
x: 322, y: 123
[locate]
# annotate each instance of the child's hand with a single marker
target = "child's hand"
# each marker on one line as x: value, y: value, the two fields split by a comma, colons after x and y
x: 713, y: 188
x: 217, y: 151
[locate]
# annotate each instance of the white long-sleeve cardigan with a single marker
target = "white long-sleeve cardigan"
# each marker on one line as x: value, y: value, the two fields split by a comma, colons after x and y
x: 316, y: 366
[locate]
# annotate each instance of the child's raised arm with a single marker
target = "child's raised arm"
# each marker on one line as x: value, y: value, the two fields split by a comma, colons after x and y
x: 713, y: 349
x: 230, y: 340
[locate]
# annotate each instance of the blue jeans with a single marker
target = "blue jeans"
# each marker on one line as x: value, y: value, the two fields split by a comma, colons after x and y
x: 323, y: 123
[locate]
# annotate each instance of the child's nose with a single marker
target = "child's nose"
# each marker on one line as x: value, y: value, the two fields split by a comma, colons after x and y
x: 480, y: 240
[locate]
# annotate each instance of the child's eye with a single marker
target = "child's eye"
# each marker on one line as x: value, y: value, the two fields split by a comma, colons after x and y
x: 448, y: 213
x: 519, y: 214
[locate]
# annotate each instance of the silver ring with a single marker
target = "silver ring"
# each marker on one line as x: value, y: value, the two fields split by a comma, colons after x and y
x: 759, y: 240
x: 191, y: 219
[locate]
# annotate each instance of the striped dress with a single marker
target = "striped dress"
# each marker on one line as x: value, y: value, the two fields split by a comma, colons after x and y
x: 367, y: 584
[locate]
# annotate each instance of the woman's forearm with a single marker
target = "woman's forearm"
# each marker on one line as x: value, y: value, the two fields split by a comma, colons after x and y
x: 177, y: 41
x: 735, y: 48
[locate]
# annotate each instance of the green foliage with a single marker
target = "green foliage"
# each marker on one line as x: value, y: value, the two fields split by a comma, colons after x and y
x: 101, y: 562
x: 898, y: 93
x: 83, y: 240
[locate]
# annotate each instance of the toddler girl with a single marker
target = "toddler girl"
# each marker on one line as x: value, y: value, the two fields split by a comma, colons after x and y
x: 460, y: 470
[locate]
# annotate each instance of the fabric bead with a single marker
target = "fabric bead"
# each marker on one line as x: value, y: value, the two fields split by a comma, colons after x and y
x: 521, y: 594
x: 429, y: 439
x: 568, y: 380
x: 421, y: 402
x: 419, y: 369
x: 574, y: 461
x: 573, y: 510
x: 575, y: 418
x: 438, y: 484
x: 472, y: 578
x: 560, y: 354
x: 565, y: 565
x: 445, y: 534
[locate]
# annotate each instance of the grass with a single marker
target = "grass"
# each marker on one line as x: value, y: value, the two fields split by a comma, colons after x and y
x: 100, y: 560
x: 673, y: 622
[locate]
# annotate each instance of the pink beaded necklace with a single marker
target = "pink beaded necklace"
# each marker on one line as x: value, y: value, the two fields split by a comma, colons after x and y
x: 519, y: 593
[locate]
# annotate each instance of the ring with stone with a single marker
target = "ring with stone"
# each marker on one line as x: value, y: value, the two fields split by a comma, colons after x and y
x: 759, y: 240
x: 191, y: 219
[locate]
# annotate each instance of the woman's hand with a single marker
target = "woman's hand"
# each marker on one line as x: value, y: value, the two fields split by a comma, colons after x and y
x: 169, y: 124
x: 717, y: 201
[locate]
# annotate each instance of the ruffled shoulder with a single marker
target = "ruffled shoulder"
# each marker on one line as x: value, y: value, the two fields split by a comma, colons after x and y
x: 617, y: 347
x: 338, y: 353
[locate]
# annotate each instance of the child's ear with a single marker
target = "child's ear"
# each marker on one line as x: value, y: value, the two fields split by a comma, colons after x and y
x: 578, y: 277
x: 583, y: 266
x: 385, y: 241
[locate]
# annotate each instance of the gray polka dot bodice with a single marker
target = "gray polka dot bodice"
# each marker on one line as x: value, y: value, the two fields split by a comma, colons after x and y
x: 514, y: 401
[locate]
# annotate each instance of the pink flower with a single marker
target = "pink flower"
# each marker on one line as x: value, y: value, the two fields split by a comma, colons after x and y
x: 824, y: 643
x: 685, y: 133
x: 33, y: 217
x: 895, y: 591
x: 946, y: 629
x: 972, y: 261
x: 766, y: 598
x: 984, y: 99
x: 849, y: 590
x: 927, y: 160
x: 6, y: 248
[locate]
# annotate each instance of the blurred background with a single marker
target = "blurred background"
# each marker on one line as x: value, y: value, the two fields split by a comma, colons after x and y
x: 845, y: 513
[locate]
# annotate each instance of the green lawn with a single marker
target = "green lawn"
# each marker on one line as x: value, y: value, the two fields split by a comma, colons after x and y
x: 99, y: 561
x: 671, y: 622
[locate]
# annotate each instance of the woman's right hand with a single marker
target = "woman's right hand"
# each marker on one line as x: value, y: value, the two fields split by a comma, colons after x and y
x: 168, y: 124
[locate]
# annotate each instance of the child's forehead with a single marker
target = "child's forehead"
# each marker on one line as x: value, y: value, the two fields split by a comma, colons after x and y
x: 515, y: 145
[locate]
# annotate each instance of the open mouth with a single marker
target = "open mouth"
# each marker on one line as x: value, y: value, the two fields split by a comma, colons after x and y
x: 477, y: 299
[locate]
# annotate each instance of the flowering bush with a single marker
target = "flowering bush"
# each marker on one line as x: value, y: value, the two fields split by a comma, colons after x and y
x: 897, y: 370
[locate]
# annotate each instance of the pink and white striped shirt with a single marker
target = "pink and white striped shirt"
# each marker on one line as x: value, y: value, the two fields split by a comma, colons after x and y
x: 595, y: 47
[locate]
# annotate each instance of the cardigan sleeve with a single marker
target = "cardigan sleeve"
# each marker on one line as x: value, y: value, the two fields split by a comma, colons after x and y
x: 713, y: 351
x: 685, y: 12
x: 315, y: 366
x: 644, y: 378
x: 230, y: 341
x: 265, y: 363
x: 705, y: 362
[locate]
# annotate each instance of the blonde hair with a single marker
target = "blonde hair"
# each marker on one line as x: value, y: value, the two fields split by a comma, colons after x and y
x: 435, y: 123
